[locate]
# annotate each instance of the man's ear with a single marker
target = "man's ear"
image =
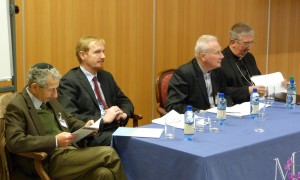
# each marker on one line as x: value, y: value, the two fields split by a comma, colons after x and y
x: 33, y: 87
x: 201, y: 56
x: 232, y: 42
x: 82, y: 55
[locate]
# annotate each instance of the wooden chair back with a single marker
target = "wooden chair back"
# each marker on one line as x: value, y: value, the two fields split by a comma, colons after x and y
x: 162, y: 83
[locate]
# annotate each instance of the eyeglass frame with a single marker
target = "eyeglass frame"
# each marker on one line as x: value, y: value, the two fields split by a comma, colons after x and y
x: 246, y: 44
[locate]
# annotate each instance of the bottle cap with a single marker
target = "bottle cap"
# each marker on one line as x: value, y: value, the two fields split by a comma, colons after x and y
x: 254, y: 90
x: 221, y: 95
x: 188, y: 107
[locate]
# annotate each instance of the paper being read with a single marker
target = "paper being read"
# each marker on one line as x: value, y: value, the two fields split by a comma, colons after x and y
x: 86, y: 130
x: 274, y: 79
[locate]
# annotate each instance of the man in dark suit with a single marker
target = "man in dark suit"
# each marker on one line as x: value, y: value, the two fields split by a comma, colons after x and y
x: 198, y: 82
x: 35, y: 121
x: 88, y: 91
x: 239, y: 64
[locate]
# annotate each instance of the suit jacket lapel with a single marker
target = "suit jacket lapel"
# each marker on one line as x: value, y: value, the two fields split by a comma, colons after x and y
x: 33, y: 113
x: 86, y: 85
x: 200, y: 80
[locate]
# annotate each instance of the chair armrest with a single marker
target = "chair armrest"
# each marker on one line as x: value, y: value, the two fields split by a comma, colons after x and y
x: 136, y: 118
x: 34, y: 155
x: 38, y: 158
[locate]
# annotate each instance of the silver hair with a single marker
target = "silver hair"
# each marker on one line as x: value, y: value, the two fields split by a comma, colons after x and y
x: 39, y: 76
x: 202, y: 45
x: 240, y: 29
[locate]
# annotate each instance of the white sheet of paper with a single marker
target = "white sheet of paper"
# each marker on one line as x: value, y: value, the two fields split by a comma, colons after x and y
x: 85, y: 131
x: 139, y: 132
x: 96, y: 124
x: 179, y: 119
x: 274, y: 79
x: 238, y: 110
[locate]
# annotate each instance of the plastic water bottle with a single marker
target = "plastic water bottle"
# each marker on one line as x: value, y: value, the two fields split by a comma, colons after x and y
x: 189, y: 124
x: 221, y: 112
x: 291, y: 94
x: 254, y: 104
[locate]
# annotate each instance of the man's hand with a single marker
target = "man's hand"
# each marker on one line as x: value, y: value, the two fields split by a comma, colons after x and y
x: 121, y: 116
x: 261, y: 90
x: 284, y: 83
x: 111, y: 114
x: 64, y: 139
x: 89, y: 123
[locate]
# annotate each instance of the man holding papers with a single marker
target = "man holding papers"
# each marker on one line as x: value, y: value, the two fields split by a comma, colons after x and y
x: 35, y: 121
x: 239, y: 64
x: 198, y: 82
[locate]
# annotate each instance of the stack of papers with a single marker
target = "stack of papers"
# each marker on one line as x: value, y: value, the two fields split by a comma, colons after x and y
x: 238, y: 110
x: 139, y: 132
x: 274, y: 79
x: 178, y: 119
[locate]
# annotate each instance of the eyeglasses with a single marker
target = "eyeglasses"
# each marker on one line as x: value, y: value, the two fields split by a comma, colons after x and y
x: 217, y: 53
x: 245, y: 43
x: 50, y: 90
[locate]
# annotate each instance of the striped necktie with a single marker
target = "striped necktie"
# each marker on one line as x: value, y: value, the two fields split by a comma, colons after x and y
x: 98, y: 93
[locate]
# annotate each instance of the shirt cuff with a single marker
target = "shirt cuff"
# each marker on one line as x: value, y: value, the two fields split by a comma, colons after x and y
x: 101, y: 125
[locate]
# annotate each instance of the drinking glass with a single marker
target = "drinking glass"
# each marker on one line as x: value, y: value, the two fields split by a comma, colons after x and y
x: 270, y: 93
x: 170, y: 122
x: 214, y: 124
x: 200, y: 123
x: 259, y: 123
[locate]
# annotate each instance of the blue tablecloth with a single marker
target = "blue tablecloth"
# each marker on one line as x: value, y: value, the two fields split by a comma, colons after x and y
x: 234, y: 153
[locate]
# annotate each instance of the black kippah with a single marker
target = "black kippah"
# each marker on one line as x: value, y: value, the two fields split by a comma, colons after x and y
x: 43, y: 66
